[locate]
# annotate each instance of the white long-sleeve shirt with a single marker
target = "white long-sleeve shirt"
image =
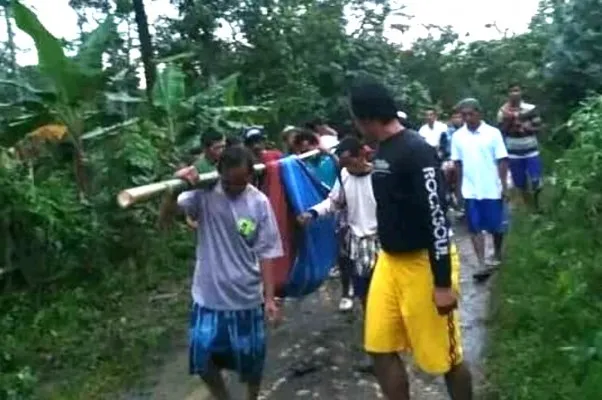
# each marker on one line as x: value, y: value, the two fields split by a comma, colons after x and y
x: 359, y: 200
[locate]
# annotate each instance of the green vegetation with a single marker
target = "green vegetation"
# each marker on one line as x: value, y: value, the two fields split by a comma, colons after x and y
x: 547, y: 339
x: 90, y: 294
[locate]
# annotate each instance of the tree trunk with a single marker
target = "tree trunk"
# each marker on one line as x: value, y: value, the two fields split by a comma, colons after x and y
x: 12, y: 50
x: 146, y: 46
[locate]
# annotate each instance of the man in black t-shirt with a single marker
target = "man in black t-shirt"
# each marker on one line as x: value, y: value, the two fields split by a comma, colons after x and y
x: 412, y: 302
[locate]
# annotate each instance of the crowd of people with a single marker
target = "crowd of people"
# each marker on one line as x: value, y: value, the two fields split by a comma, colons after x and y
x: 397, y: 256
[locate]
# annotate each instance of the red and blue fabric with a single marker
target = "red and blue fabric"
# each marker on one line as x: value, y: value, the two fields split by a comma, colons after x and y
x: 317, y: 244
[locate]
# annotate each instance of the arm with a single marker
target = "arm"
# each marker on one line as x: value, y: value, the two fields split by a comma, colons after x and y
x: 428, y: 183
x: 505, y: 119
x: 188, y: 202
x: 501, y: 155
x: 443, y: 145
x: 532, y: 125
x: 169, y: 204
x: 268, y: 247
x: 459, y: 176
x: 267, y: 275
x: 456, y: 157
x: 502, y: 168
x: 331, y: 203
x: 500, y: 115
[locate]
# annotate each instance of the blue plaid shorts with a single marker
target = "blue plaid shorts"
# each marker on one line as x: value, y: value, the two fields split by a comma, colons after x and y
x: 233, y: 340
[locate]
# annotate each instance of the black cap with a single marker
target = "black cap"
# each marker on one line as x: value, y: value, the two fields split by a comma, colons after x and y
x: 253, y: 133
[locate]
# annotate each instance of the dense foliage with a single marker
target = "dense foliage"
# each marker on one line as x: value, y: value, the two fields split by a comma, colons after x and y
x: 548, y: 319
x: 76, y: 128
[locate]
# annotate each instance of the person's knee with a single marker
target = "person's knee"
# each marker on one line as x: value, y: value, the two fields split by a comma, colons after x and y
x: 384, y: 359
x: 211, y: 375
x: 459, y: 372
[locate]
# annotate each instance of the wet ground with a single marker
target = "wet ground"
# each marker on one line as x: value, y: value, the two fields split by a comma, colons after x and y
x: 314, y: 351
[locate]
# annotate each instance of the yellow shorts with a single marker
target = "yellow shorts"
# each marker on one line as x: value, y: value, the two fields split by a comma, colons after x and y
x: 401, y: 314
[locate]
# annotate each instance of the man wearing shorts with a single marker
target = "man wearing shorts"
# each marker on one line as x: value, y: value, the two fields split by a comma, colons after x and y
x: 236, y: 242
x: 482, y: 163
x: 413, y: 296
x: 520, y: 124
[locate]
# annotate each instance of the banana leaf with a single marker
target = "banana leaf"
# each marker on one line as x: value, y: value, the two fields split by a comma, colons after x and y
x: 169, y: 93
x: 73, y: 79
x: 89, y: 56
x: 169, y: 90
x: 223, y: 92
x: 51, y: 57
x: 122, y: 97
x: 176, y: 57
x: 43, y: 94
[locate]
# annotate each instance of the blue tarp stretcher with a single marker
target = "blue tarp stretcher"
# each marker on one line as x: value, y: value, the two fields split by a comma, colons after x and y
x: 317, y: 245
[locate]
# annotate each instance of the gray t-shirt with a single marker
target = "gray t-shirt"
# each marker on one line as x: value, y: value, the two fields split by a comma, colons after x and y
x: 233, y: 234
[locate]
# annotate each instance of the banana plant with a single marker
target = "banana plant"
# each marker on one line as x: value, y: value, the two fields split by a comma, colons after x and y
x: 169, y: 93
x: 74, y: 82
x: 217, y: 106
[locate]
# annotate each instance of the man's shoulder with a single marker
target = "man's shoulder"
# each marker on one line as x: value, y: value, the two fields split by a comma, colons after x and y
x: 414, y: 147
x: 526, y: 107
x: 329, y: 141
x: 271, y: 155
x: 461, y: 131
x: 203, y: 165
x: 344, y: 173
x: 441, y: 125
x: 256, y: 196
x: 485, y: 127
x: 411, y: 135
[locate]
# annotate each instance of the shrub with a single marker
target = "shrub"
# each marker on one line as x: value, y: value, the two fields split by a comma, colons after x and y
x: 547, y: 338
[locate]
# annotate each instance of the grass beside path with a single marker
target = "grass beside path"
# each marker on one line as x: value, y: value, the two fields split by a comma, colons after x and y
x: 92, y: 340
x: 546, y: 335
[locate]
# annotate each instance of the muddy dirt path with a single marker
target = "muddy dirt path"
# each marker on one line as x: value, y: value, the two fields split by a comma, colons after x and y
x: 313, y: 352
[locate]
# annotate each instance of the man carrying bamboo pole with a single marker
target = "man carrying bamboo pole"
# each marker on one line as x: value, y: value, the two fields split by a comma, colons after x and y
x: 233, y: 288
x: 213, y: 144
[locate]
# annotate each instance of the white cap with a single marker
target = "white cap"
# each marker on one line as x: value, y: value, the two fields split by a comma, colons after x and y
x: 402, y: 115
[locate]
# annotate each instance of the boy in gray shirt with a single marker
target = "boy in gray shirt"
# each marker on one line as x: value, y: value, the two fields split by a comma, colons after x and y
x: 232, y: 288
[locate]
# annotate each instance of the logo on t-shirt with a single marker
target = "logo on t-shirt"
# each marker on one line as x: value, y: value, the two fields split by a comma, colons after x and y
x: 246, y: 227
x: 440, y: 231
x: 381, y: 166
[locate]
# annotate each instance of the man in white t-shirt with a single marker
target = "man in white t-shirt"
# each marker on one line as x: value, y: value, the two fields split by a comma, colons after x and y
x: 481, y: 159
x: 432, y: 130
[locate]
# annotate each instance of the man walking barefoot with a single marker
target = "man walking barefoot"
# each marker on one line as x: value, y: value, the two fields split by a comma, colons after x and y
x: 232, y: 288
x: 412, y: 301
x: 482, y: 163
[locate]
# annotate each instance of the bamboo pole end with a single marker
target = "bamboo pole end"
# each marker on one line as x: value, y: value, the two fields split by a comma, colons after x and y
x: 124, y: 199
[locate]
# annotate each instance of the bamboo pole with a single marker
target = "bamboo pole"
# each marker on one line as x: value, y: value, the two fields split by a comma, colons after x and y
x: 137, y: 194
